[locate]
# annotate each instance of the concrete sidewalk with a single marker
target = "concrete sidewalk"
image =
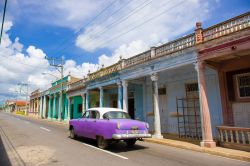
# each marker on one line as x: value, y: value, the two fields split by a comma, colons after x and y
x: 219, y: 151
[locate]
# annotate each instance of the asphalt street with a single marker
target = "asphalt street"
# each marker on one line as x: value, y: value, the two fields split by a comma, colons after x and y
x: 27, y: 141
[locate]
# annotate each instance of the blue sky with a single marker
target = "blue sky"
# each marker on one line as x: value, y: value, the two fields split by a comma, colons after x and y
x: 49, y: 37
x: 35, y: 29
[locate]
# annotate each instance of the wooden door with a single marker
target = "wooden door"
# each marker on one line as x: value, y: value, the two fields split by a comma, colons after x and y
x: 163, y: 112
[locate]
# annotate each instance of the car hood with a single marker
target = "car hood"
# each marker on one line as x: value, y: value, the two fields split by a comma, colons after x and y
x: 128, y: 124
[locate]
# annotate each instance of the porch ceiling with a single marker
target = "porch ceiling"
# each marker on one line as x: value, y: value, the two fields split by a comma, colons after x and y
x: 226, y: 51
x: 229, y: 56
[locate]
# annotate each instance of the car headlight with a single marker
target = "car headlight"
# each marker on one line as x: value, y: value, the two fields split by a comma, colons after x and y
x: 147, y: 125
x: 118, y: 126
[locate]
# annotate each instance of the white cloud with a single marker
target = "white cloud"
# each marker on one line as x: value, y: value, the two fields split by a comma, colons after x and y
x: 179, y: 17
x: 124, y: 51
x: 18, y: 66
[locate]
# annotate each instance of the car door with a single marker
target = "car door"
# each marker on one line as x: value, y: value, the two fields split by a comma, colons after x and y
x: 83, y: 128
x: 93, y: 123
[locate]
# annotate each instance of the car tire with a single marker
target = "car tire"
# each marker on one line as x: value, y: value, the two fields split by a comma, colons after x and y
x: 72, y: 134
x: 130, y: 142
x: 101, y: 142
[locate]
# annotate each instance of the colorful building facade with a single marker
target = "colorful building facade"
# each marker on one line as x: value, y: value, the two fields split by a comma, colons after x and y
x: 52, y: 104
x: 196, y: 87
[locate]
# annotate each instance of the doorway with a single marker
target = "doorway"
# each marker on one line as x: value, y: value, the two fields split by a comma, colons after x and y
x: 131, y: 107
x: 188, y: 111
x: 163, y: 109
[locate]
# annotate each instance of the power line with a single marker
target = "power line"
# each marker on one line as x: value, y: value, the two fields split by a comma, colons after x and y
x: 117, y: 21
x: 92, y: 20
x: 139, y: 25
x: 5, y: 5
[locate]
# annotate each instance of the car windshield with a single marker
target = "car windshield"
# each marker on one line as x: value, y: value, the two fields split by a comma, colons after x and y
x: 116, y: 115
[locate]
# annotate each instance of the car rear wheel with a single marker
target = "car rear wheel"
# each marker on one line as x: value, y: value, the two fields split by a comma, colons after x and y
x: 130, y: 142
x: 101, y: 142
x: 72, y: 133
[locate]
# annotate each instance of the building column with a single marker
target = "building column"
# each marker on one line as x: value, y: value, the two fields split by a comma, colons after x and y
x: 87, y: 99
x: 60, y: 108
x: 125, y: 95
x: 157, y: 120
x: 37, y: 106
x: 83, y: 102
x: 119, y: 95
x: 44, y: 106
x: 41, y: 107
x: 33, y: 106
x: 50, y: 109
x: 54, y: 107
x: 207, y: 138
x: 69, y: 105
x: 101, y: 97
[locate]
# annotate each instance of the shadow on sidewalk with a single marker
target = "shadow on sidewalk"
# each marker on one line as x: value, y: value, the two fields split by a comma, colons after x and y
x: 116, y: 147
x: 4, y: 159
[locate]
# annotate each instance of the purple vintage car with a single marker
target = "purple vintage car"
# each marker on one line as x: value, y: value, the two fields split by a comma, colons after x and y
x: 107, y: 125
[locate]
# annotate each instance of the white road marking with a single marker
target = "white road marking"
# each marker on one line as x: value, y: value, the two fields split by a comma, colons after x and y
x: 27, y: 122
x: 45, y: 129
x: 114, y: 154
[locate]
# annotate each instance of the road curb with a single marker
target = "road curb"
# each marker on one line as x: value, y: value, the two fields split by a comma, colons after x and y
x: 63, y: 123
x: 218, y: 151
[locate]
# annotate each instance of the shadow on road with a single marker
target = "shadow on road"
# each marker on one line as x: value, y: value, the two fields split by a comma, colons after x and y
x: 4, y: 159
x: 114, y: 147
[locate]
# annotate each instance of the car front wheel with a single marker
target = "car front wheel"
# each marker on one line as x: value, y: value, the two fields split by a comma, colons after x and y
x: 101, y: 142
x: 130, y: 142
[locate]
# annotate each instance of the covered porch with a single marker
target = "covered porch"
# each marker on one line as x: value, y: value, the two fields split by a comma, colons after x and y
x: 231, y: 61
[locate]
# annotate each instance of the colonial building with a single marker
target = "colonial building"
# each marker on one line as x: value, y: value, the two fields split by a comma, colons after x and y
x: 34, y: 103
x: 189, y: 87
x: 16, y: 106
x: 54, y: 102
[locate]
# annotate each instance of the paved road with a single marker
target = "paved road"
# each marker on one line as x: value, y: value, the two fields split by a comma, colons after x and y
x: 38, y: 142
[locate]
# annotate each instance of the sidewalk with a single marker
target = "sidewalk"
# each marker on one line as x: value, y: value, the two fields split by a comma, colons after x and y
x: 219, y: 151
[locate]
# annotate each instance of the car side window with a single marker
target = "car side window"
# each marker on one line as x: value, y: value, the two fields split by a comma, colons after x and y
x: 86, y: 115
x: 106, y: 116
x: 94, y: 115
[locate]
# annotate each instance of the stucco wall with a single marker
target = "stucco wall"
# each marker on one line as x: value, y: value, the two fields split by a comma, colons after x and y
x: 174, y: 82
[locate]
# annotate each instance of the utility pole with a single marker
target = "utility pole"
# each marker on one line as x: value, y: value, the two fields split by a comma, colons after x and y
x: 5, y: 5
x: 58, y: 64
x: 27, y: 94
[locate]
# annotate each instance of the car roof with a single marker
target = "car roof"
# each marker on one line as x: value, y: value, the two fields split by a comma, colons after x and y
x: 105, y: 109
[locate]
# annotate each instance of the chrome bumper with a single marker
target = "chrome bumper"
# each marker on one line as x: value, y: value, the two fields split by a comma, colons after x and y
x: 127, y: 136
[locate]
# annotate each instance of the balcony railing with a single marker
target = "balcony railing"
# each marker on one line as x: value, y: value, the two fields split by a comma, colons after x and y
x: 143, y: 57
x: 77, y: 84
x: 238, y: 135
x: 108, y: 70
x: 177, y: 45
x: 230, y: 26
